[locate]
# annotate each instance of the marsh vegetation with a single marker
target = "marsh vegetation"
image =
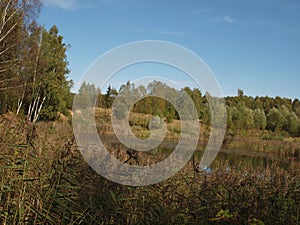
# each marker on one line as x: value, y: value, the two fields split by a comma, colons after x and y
x: 45, y: 180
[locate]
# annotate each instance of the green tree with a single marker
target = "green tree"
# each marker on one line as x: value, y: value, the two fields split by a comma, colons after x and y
x: 260, y: 119
x: 292, y: 124
x: 144, y: 105
x: 242, y: 116
x: 229, y: 117
x: 240, y: 93
x: 197, y: 99
x: 257, y: 103
x: 275, y: 120
x: 206, y: 114
x: 296, y: 107
x: 15, y: 19
x: 268, y: 104
x: 87, y: 95
x: 170, y: 112
x: 158, y: 104
x: 109, y: 97
x: 127, y: 96
x: 52, y: 89
x: 100, y: 99
x: 33, y: 74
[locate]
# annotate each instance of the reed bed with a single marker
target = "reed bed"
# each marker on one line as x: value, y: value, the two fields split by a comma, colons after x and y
x: 44, y: 180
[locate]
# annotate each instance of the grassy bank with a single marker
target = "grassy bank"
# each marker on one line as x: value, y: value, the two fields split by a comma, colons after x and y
x: 257, y: 141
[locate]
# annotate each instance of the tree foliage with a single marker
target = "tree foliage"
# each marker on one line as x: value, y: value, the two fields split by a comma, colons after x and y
x: 243, y: 112
x: 33, y: 64
x: 259, y: 119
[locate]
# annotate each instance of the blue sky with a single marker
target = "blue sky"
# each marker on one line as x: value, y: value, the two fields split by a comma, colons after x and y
x: 253, y: 45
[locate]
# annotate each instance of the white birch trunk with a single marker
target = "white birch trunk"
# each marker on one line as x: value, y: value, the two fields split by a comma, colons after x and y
x: 20, y: 101
x: 38, y: 111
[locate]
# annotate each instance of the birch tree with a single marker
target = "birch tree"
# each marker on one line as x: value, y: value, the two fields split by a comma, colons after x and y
x: 15, y: 17
x: 52, y: 88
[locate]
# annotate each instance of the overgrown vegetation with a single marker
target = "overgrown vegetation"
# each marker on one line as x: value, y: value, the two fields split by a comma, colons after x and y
x: 44, y: 180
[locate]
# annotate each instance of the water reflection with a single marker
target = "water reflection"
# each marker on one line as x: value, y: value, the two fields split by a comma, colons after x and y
x: 238, y: 160
x: 232, y: 159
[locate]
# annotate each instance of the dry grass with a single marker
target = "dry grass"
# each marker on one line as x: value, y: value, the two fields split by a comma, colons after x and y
x: 44, y: 180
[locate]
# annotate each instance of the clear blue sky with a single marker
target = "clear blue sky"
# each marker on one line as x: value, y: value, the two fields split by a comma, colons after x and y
x: 253, y: 45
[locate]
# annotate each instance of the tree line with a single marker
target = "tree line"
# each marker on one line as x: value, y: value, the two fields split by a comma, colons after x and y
x: 34, y: 81
x: 33, y: 64
x: 243, y: 112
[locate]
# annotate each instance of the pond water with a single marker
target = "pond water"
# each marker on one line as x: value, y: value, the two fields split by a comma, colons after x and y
x: 236, y: 159
x: 229, y: 157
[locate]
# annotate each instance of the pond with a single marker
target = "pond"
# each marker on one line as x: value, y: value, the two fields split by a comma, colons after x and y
x: 247, y: 159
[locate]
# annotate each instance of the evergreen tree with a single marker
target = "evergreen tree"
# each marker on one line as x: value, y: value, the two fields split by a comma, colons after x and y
x: 109, y: 97
x: 52, y: 90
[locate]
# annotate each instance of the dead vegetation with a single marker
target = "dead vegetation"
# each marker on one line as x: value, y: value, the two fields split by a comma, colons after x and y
x: 44, y: 180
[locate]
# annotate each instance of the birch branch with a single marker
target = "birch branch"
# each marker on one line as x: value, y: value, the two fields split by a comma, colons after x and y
x: 4, y: 16
x: 9, y: 88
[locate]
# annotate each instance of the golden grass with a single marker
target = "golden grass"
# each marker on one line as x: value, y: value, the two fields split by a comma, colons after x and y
x: 44, y: 180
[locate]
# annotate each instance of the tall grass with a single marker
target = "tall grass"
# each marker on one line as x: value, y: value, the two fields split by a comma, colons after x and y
x: 38, y: 182
x: 44, y: 180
